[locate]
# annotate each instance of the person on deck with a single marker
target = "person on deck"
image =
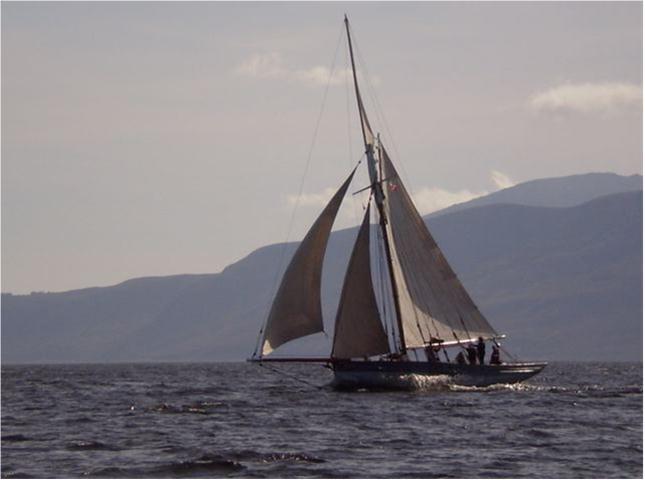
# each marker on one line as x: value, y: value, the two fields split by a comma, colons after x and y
x: 481, y: 350
x: 460, y: 358
x: 472, y: 354
x: 431, y: 354
x: 494, y: 357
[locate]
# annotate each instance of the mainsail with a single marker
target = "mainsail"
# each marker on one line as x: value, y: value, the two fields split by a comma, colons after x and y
x: 359, y: 331
x: 433, y: 302
x: 296, y: 310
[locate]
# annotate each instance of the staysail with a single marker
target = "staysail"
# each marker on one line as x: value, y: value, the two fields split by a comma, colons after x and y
x: 296, y: 310
x: 433, y: 302
x: 359, y: 331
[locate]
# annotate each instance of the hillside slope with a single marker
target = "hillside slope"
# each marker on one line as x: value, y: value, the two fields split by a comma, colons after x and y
x: 563, y: 283
x: 556, y: 192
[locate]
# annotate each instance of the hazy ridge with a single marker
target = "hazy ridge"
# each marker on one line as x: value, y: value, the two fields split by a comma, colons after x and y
x: 566, y: 191
x: 564, y: 282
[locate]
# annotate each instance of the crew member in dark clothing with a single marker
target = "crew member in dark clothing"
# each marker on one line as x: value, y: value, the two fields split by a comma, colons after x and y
x: 494, y: 357
x: 431, y: 354
x: 481, y: 350
x: 460, y: 358
x: 472, y: 354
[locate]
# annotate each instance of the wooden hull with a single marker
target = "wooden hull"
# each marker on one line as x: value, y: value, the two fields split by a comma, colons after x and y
x: 352, y: 375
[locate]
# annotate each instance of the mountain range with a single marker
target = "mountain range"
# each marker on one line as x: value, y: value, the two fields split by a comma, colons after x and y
x: 556, y: 264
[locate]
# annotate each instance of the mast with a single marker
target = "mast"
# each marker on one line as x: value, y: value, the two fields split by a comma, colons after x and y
x: 358, y: 95
x: 377, y: 189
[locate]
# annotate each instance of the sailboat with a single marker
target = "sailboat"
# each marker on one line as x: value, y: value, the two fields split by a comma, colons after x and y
x: 430, y: 312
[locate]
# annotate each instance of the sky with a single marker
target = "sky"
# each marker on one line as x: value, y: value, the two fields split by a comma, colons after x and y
x: 145, y: 139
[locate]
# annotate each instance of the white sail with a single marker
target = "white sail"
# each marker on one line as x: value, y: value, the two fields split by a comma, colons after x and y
x: 296, y: 310
x: 433, y: 302
x: 359, y: 331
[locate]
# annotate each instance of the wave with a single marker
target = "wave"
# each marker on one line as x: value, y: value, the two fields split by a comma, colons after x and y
x: 216, y: 465
x: 513, y: 387
x: 255, y: 456
x: 15, y: 438
x: 584, y: 390
x: 431, y: 382
x: 206, y: 465
x: 82, y: 419
x: 200, y: 408
x: 290, y: 457
x: 8, y: 473
x: 80, y: 445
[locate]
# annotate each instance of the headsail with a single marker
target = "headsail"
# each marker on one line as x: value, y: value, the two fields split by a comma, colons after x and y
x: 433, y: 301
x: 296, y: 310
x: 359, y: 331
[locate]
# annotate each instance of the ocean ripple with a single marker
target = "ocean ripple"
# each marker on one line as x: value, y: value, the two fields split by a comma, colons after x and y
x: 237, y: 420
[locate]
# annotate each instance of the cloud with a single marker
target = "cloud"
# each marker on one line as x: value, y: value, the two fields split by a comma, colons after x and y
x: 268, y: 65
x: 319, y: 199
x: 272, y: 66
x: 321, y: 75
x: 426, y: 199
x: 431, y: 199
x: 587, y: 98
x: 501, y: 180
x: 349, y: 214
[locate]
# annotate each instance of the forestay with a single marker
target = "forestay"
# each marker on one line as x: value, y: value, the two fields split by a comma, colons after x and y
x: 433, y: 302
x: 359, y: 331
x: 296, y: 310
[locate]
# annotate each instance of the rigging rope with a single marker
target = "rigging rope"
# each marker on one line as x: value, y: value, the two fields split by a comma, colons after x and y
x: 273, y: 289
x: 506, y: 352
x: 349, y: 129
x: 380, y: 115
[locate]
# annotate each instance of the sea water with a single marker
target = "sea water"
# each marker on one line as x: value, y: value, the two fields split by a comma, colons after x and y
x: 243, y: 420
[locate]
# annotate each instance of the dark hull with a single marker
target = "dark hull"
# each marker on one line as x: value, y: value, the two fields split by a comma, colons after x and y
x: 414, y: 375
